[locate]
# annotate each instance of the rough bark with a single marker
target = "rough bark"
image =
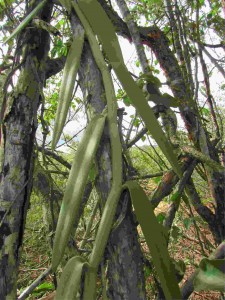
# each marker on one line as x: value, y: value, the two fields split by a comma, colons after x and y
x: 125, y: 266
x: 125, y: 239
x: 19, y: 131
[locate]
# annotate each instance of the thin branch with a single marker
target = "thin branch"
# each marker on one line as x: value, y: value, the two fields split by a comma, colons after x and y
x: 175, y: 204
x: 213, y: 46
x: 202, y: 157
x: 130, y: 130
x: 213, y: 60
x: 134, y: 31
x: 55, y: 156
x: 148, y: 176
x: 149, y: 155
x: 139, y: 135
x: 157, y: 109
x: 35, y: 284
x: 201, y: 209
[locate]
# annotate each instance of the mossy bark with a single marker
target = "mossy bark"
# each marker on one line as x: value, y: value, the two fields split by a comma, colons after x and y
x: 120, y: 242
x: 20, y: 125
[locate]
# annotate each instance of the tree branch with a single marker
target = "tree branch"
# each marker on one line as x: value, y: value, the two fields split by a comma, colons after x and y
x: 188, y: 286
x: 55, y: 156
x: 54, y: 66
x: 34, y: 284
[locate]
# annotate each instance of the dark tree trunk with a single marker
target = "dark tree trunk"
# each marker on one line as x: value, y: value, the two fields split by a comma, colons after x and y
x: 125, y: 265
x: 124, y: 240
x: 19, y: 132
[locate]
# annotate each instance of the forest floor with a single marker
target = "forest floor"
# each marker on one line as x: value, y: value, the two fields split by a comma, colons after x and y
x: 185, y: 246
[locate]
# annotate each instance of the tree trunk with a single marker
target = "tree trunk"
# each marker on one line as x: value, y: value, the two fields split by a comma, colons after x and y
x: 125, y: 265
x: 124, y: 240
x: 19, y: 132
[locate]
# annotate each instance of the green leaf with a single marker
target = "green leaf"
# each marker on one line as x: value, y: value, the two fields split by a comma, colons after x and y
x: 156, y: 240
x: 67, y: 85
x: 155, y: 2
x: 161, y: 217
x: 211, y: 275
x: 75, y: 186
x: 147, y: 271
x: 45, y: 286
x: 151, y: 78
x: 156, y: 71
x: 137, y: 63
x: 136, y: 122
x: 120, y: 94
x: 176, y: 196
x: 187, y: 222
x: 24, y: 23
x: 127, y: 101
x: 157, y: 179
x: 205, y: 111
x: 69, y: 283
x: 223, y: 86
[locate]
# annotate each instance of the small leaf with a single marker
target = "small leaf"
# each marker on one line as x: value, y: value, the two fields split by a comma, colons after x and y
x: 136, y: 122
x: 223, y: 86
x: 45, y: 286
x: 187, y: 222
x: 137, y: 63
x: 161, y: 217
x: 157, y: 179
x: 127, y: 101
x: 148, y: 271
x: 175, y: 196
x: 152, y: 79
x: 156, y: 71
x: 205, y: 111
x: 211, y: 275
